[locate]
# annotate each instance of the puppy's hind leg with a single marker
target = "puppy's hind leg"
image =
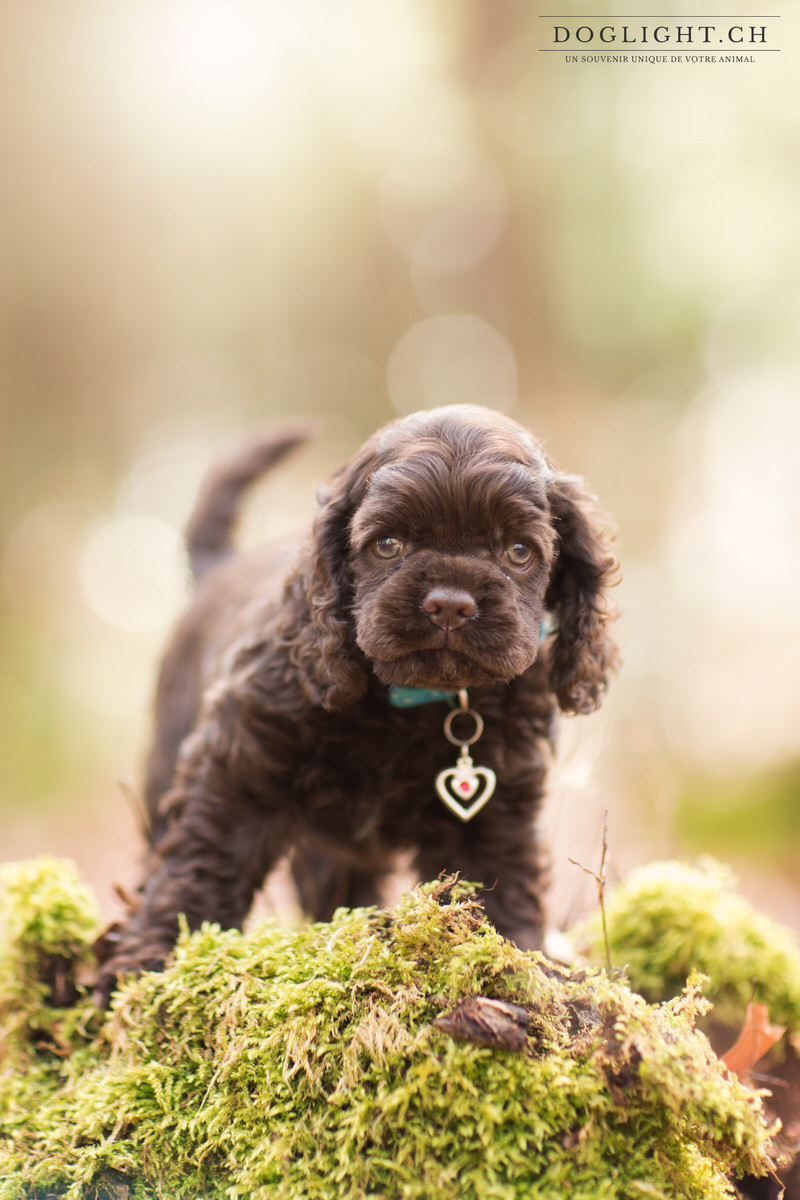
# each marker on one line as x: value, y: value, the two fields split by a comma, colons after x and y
x: 324, y: 885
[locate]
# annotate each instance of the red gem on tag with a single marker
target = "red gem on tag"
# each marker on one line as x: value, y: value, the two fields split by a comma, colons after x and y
x: 464, y: 786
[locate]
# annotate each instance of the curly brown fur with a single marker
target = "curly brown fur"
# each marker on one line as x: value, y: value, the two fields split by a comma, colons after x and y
x: 435, y: 557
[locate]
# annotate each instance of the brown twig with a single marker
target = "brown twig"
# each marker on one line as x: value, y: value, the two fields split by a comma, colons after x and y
x: 600, y: 879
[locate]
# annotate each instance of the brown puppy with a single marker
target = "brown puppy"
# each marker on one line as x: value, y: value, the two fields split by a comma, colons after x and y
x: 439, y: 558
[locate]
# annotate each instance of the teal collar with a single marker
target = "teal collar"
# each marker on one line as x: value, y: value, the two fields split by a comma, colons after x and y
x: 410, y: 697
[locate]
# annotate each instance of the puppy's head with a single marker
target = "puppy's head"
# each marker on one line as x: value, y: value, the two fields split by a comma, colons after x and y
x: 438, y: 554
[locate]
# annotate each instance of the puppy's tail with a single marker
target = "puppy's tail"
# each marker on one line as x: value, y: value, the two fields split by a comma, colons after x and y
x: 209, y: 532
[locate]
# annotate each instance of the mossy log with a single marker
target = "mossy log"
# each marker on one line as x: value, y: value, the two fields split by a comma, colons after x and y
x: 411, y: 1054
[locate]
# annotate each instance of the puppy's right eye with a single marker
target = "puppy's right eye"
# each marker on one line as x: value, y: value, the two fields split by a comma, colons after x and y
x: 388, y: 547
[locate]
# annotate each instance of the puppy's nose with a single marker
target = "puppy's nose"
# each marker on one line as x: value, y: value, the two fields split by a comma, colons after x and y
x: 449, y: 608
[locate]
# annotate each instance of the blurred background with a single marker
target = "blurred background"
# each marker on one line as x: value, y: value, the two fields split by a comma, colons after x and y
x: 219, y: 213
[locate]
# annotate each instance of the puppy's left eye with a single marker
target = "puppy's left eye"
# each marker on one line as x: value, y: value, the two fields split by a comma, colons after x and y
x: 519, y: 554
x: 388, y: 547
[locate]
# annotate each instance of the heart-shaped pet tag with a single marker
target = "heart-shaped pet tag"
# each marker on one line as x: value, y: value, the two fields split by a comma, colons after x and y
x: 462, y: 783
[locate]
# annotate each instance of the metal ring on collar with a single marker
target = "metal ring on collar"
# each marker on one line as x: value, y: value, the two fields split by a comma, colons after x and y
x: 462, y: 712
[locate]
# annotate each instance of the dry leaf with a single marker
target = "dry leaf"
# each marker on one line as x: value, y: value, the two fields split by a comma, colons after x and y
x: 488, y: 1022
x: 757, y: 1037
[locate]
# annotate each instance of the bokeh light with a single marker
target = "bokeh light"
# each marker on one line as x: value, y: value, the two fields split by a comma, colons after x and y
x: 455, y: 358
x: 130, y: 572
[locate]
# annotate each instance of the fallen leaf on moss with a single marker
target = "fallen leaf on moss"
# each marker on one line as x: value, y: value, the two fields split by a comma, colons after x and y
x: 757, y: 1037
x: 487, y: 1023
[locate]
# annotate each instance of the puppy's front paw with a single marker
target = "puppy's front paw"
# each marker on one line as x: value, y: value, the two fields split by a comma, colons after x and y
x: 118, y: 969
x: 122, y: 956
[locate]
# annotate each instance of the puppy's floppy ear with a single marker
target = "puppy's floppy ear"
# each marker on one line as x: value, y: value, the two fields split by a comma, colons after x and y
x: 583, y: 655
x: 331, y: 668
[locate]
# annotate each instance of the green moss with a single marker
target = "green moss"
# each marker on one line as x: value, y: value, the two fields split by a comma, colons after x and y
x: 48, y: 921
x: 668, y: 919
x: 278, y: 1064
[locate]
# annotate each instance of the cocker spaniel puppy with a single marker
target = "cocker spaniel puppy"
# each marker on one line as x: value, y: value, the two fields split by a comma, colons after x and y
x: 394, y: 688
